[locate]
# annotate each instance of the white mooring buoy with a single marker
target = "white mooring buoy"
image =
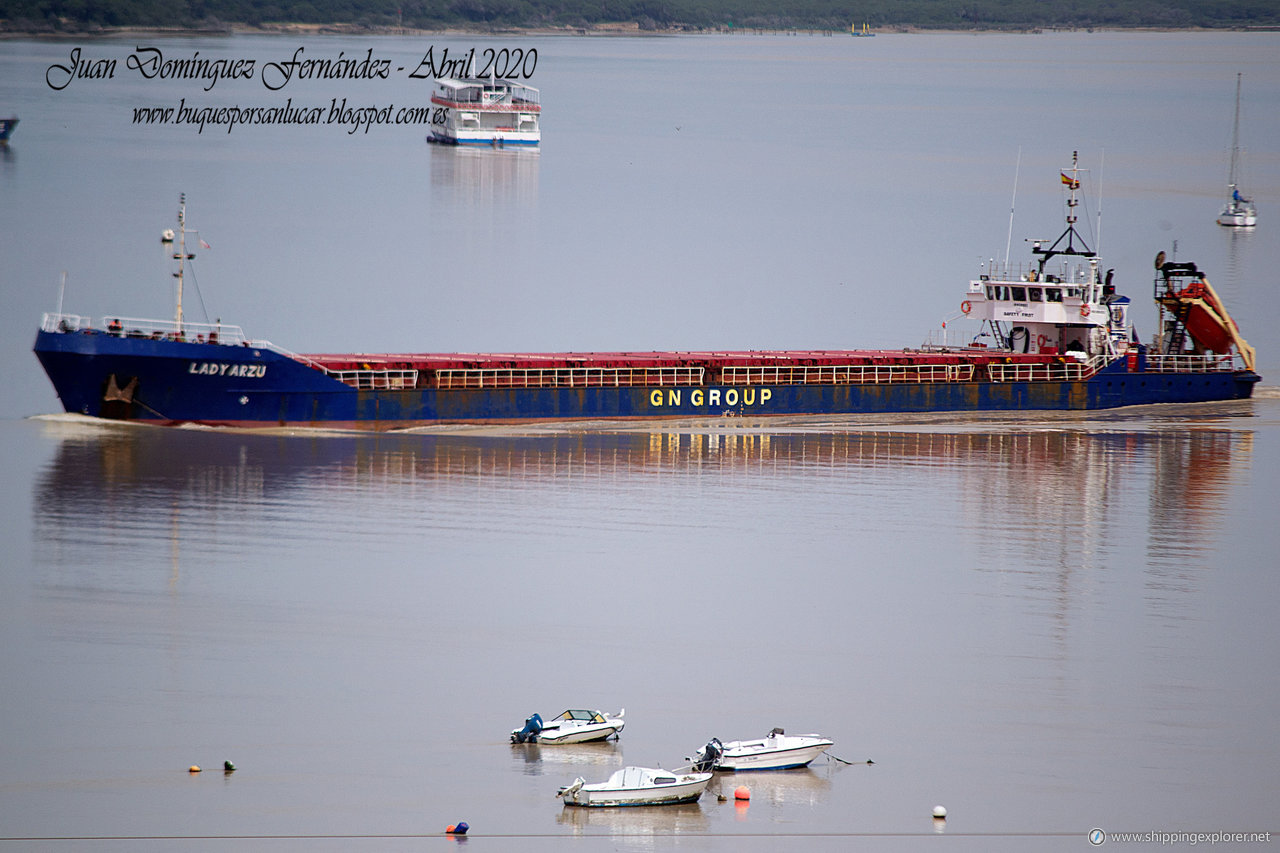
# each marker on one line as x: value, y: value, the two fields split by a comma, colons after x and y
x: 940, y: 812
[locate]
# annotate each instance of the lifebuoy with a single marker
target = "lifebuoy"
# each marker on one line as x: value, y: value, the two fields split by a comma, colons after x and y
x: 1085, y: 310
x: 965, y: 307
x: 1041, y: 340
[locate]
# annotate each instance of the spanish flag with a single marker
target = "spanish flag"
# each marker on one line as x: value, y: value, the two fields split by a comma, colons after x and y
x: 1070, y: 182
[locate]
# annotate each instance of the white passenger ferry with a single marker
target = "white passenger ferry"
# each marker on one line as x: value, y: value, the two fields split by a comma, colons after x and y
x: 477, y: 111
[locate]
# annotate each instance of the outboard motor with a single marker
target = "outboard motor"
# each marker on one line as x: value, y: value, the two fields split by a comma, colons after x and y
x: 706, y: 758
x: 529, y: 734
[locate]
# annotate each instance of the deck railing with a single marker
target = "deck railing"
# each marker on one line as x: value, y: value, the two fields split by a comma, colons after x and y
x: 1064, y: 371
x: 1213, y: 363
x: 846, y: 374
x: 134, y: 327
x: 377, y: 380
x: 1069, y: 369
x: 215, y: 334
x: 568, y: 377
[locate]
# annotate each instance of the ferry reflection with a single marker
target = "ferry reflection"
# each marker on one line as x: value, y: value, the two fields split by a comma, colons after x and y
x: 535, y: 759
x: 475, y: 177
x: 637, y: 823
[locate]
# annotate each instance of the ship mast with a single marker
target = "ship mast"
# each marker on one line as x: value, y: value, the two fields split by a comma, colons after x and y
x: 1070, y: 235
x: 181, y: 257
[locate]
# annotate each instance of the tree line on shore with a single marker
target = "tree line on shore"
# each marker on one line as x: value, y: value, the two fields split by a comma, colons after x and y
x: 836, y: 15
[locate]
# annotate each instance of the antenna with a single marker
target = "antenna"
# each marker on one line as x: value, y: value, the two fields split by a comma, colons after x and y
x: 1009, y: 240
x: 1097, y: 237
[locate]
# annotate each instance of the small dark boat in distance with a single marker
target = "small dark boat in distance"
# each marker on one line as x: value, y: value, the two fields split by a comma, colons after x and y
x: 1061, y: 340
x: 7, y: 126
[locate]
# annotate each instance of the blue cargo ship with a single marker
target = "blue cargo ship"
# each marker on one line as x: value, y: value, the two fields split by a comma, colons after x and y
x: 1054, y: 335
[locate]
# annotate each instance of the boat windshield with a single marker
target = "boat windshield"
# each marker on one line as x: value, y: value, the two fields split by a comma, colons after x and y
x: 586, y: 716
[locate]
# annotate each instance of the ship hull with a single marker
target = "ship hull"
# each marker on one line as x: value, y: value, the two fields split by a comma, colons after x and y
x: 489, y: 138
x: 174, y: 382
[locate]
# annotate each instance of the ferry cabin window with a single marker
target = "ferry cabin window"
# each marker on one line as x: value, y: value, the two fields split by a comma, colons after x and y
x: 1052, y: 294
x: 1033, y: 293
x: 1019, y: 294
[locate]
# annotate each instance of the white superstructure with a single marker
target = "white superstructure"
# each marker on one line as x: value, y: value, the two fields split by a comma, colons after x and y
x: 479, y: 111
x: 1067, y: 307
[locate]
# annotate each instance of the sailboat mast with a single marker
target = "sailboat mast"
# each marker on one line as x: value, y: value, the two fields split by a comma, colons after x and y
x: 1235, y: 138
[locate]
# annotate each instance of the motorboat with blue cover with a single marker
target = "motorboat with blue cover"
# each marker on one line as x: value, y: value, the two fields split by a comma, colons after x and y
x: 572, y: 726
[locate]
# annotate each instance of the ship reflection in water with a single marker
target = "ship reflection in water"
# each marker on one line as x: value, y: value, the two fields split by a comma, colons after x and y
x: 477, y: 177
x: 939, y: 597
x: 1042, y: 503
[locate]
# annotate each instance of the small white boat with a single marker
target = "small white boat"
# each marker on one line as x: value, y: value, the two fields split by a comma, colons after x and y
x: 777, y: 751
x: 476, y: 111
x: 572, y: 726
x: 637, y: 786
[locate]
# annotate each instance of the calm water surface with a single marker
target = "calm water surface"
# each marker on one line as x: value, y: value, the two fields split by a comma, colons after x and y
x: 1045, y: 623
x: 1046, y: 627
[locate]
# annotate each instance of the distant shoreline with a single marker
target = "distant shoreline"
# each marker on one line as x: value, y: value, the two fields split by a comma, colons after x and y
x: 624, y: 28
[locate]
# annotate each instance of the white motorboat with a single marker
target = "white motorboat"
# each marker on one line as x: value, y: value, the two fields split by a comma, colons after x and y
x: 637, y: 786
x: 572, y: 726
x: 777, y: 751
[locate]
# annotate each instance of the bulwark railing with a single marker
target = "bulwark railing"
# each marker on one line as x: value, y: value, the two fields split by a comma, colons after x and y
x: 567, y: 377
x: 135, y: 327
x: 846, y: 374
x: 1056, y: 372
x: 1191, y: 363
x: 1069, y: 369
x: 377, y: 380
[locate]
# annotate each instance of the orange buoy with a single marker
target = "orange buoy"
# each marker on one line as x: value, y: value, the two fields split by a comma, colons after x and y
x: 742, y: 792
x: 194, y: 768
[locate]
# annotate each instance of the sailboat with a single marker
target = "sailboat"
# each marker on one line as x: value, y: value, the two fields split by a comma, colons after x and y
x: 1239, y: 211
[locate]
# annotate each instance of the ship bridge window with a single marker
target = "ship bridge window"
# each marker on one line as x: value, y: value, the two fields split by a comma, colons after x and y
x: 991, y: 292
x: 1052, y: 294
x: 1019, y: 294
x: 1033, y: 293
